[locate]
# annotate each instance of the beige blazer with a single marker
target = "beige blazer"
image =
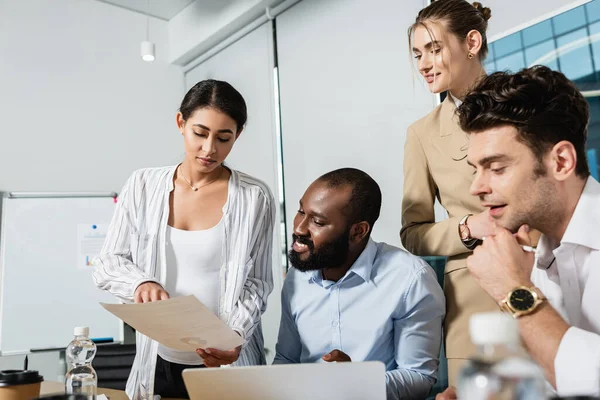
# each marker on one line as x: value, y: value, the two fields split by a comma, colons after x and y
x: 435, y: 166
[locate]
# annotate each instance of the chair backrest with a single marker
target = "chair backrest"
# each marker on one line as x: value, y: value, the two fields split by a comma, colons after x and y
x: 113, y: 363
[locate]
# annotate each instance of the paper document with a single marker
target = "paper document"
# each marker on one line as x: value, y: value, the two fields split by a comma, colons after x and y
x: 180, y: 323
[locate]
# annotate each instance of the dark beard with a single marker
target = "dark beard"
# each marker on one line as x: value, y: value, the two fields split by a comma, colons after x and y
x: 330, y: 255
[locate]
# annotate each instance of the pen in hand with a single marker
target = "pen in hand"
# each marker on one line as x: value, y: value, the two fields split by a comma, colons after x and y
x: 529, y: 249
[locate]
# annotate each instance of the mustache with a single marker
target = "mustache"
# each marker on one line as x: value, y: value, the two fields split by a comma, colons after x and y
x: 303, y: 240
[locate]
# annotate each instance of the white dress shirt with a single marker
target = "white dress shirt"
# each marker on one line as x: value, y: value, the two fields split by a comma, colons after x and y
x: 569, y: 276
x: 134, y: 252
x: 456, y: 100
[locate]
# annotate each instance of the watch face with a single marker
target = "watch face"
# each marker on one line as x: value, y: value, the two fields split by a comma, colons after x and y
x: 521, y: 300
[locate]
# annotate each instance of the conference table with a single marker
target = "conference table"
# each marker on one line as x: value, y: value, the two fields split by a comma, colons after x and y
x: 50, y: 387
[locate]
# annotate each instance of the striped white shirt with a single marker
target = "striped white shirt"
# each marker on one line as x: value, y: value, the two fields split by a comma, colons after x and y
x: 134, y: 252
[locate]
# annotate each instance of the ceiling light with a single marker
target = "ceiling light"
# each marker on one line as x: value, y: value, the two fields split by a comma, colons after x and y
x: 147, y: 51
x: 147, y: 47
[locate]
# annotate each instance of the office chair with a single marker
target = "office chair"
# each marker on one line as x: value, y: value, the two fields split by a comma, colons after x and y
x: 113, y: 363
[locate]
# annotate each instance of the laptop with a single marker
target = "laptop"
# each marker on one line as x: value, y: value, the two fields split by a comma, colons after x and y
x: 345, y: 380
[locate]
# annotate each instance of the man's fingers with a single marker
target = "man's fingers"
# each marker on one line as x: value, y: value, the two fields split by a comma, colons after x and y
x: 164, y: 295
x: 448, y: 394
x: 523, y: 236
x: 332, y: 356
x: 500, y: 233
x: 471, y: 260
x: 336, y: 355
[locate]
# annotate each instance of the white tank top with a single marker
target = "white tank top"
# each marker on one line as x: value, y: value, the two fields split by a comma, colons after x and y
x: 193, y: 264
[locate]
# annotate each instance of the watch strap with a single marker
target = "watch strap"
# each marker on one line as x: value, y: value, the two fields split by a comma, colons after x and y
x: 470, y: 242
x: 538, y: 296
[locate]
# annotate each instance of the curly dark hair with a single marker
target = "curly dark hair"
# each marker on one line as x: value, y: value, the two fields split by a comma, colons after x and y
x: 543, y: 105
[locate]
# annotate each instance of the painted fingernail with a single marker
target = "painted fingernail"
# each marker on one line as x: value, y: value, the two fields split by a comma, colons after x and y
x: 207, y: 351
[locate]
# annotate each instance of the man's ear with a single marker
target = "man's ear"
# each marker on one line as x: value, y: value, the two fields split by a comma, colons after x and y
x: 359, y: 231
x: 563, y: 160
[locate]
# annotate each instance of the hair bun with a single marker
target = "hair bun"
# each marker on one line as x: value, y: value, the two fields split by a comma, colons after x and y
x: 485, y: 11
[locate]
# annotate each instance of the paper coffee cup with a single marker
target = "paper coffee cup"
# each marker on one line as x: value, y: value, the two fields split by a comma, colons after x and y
x: 19, y: 384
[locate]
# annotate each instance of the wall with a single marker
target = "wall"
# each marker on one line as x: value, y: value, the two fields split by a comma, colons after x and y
x: 348, y: 94
x: 205, y: 23
x: 80, y: 109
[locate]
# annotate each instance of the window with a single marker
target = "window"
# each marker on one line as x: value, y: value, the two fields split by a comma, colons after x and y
x: 570, y: 43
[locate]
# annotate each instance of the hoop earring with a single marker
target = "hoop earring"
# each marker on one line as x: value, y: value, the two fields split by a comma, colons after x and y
x: 470, y: 56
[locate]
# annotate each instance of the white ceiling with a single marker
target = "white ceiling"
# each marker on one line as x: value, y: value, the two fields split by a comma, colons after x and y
x: 163, y: 9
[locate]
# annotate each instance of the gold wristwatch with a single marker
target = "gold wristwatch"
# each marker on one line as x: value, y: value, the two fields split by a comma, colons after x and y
x: 465, y: 234
x: 522, y: 301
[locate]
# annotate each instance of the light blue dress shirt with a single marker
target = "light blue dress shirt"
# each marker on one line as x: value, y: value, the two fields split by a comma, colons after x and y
x: 388, y: 307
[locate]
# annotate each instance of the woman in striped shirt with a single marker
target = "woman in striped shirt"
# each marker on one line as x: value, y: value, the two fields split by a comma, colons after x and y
x: 197, y: 228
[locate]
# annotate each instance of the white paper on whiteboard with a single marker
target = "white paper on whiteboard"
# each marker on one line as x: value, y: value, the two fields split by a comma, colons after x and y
x: 180, y: 323
x: 90, y: 239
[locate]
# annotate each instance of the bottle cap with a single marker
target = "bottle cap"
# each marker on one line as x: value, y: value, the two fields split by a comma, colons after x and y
x: 493, y: 328
x: 81, y: 331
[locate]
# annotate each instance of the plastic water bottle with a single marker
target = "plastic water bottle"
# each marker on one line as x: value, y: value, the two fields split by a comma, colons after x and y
x: 500, y: 369
x: 81, y: 377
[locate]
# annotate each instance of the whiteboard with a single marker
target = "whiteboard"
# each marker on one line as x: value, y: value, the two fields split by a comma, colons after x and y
x: 44, y: 291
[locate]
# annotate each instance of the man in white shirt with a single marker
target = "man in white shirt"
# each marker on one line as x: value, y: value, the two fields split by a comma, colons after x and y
x: 527, y: 146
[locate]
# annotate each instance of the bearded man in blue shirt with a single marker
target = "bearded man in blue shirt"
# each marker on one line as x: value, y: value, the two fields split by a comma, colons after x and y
x: 349, y: 298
